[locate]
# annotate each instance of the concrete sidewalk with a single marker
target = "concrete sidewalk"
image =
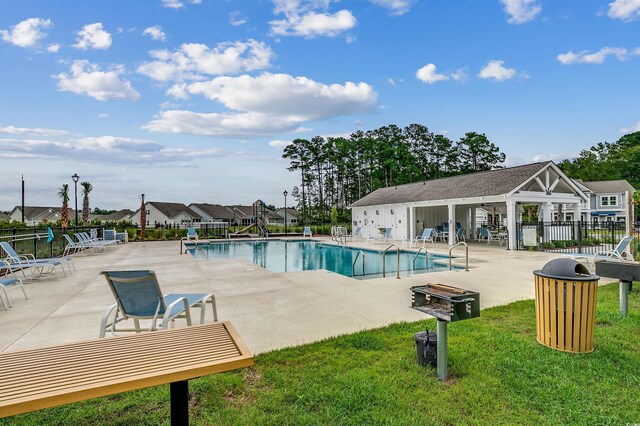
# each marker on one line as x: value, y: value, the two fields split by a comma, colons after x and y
x: 270, y: 310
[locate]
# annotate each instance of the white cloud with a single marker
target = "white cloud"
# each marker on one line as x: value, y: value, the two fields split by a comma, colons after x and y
x: 87, y: 79
x: 632, y: 129
x: 264, y: 105
x: 626, y: 10
x: 310, y: 18
x: 497, y: 71
x: 177, y: 4
x: 584, y: 57
x: 53, y: 48
x: 280, y: 144
x: 190, y: 61
x: 12, y: 130
x: 92, y: 36
x: 396, y: 7
x: 236, y: 18
x: 460, y: 75
x: 102, y: 115
x: 155, y: 33
x: 429, y: 75
x: 27, y: 33
x: 521, y: 11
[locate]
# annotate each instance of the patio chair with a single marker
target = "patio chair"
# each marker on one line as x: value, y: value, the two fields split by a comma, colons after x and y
x: 7, y: 282
x: 71, y: 246
x: 28, y: 260
x: 484, y: 233
x: 307, y: 232
x: 192, y: 234
x: 443, y: 232
x: 383, y: 237
x: 460, y: 235
x: 138, y: 296
x: 428, y: 234
x: 618, y: 253
x: 355, y: 233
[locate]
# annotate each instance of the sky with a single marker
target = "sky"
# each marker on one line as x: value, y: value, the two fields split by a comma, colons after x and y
x: 194, y: 100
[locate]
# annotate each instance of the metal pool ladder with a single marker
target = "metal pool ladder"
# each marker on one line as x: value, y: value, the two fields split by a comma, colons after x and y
x: 461, y: 243
x: 384, y: 261
x: 353, y: 265
x: 426, y: 258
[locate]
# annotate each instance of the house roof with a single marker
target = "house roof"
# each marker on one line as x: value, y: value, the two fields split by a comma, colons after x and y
x: 290, y: 213
x: 481, y: 184
x: 608, y: 186
x: 172, y: 210
x: 4, y: 216
x: 32, y: 212
x: 216, y: 211
x: 124, y: 214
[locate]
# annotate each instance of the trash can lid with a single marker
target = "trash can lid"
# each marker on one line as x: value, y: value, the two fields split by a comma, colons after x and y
x: 567, y: 269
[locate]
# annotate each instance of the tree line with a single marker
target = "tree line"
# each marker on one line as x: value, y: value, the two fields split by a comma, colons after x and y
x: 336, y: 171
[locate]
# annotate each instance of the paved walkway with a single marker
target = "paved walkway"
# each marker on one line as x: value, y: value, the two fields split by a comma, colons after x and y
x: 270, y: 310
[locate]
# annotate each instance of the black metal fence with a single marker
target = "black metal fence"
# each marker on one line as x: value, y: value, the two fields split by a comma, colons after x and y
x: 586, y: 237
x: 33, y: 240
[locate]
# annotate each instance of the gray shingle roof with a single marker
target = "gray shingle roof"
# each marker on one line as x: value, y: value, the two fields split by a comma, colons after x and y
x: 481, y: 184
x: 216, y: 211
x: 172, y: 210
x: 608, y: 186
x: 31, y: 212
x: 115, y: 216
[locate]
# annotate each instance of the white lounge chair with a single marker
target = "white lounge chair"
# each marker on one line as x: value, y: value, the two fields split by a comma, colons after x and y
x: 384, y: 237
x: 7, y: 282
x: 307, y: 232
x: 618, y: 253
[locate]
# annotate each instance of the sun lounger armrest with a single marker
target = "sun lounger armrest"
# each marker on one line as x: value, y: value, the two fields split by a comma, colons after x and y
x: 105, y: 319
x: 167, y: 313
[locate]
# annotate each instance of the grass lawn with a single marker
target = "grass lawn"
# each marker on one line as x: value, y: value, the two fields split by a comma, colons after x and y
x: 500, y: 375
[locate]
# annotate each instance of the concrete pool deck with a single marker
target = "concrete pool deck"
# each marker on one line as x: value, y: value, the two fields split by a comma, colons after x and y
x: 270, y: 310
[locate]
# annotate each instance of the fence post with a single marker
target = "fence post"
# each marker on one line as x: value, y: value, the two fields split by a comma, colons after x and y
x: 35, y: 242
x: 579, y: 236
x: 13, y: 240
x: 613, y: 234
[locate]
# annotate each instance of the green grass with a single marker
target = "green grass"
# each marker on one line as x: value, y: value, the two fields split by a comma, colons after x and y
x: 500, y: 375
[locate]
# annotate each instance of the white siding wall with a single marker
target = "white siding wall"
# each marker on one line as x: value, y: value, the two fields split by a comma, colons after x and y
x: 383, y: 219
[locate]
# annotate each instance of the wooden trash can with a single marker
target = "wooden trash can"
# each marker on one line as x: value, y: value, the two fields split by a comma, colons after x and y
x: 566, y: 296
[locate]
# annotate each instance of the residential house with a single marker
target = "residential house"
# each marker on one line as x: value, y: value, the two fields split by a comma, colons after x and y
x: 278, y: 217
x: 607, y: 201
x: 214, y: 212
x: 4, y: 217
x: 119, y: 216
x: 37, y: 215
x: 167, y: 214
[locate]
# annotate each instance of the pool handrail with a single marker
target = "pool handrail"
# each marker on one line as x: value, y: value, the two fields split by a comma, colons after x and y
x: 426, y: 258
x: 461, y: 243
x: 384, y: 261
x: 353, y: 265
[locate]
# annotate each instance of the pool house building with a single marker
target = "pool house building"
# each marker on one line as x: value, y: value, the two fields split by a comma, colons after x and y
x: 410, y: 208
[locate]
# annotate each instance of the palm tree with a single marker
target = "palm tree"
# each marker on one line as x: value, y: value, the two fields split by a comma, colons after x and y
x: 64, y: 195
x: 86, y: 189
x: 143, y: 218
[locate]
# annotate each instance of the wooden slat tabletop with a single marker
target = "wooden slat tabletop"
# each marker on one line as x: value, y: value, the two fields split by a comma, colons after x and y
x: 41, y: 378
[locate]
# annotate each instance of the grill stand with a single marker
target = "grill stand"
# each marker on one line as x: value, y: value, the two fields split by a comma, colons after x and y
x: 624, y: 297
x: 442, y: 350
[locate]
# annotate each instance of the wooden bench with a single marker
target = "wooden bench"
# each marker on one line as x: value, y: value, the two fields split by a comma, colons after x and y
x: 46, y: 377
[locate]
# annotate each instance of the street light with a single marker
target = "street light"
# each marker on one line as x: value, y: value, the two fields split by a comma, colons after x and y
x: 285, y: 193
x: 76, y: 178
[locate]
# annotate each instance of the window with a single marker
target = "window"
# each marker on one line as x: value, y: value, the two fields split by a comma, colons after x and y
x: 148, y: 212
x: 609, y: 200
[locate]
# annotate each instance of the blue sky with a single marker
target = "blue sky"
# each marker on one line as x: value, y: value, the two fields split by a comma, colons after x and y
x: 193, y: 100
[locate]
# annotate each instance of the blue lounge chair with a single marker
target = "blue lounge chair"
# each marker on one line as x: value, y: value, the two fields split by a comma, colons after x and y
x: 29, y: 262
x: 355, y: 233
x: 192, y: 234
x: 460, y: 235
x: 484, y: 233
x: 138, y: 296
x: 384, y: 237
x: 307, y: 232
x: 428, y: 234
x: 6, y: 282
x: 618, y: 253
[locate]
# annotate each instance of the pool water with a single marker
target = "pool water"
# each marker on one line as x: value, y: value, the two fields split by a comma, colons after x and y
x: 294, y: 256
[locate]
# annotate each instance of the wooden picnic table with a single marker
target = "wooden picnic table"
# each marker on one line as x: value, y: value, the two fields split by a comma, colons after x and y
x: 46, y: 377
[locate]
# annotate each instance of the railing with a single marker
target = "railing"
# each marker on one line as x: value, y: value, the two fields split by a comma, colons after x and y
x: 426, y: 258
x: 33, y: 240
x: 353, y: 265
x: 461, y: 243
x: 384, y: 261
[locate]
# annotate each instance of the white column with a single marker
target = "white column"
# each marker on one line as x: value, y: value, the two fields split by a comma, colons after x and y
x: 452, y: 224
x: 577, y: 212
x: 472, y: 231
x: 547, y: 212
x: 511, y: 223
x: 412, y: 222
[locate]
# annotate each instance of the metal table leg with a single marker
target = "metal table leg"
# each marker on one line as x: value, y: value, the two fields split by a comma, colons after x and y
x: 624, y: 297
x: 179, y: 403
x: 442, y: 350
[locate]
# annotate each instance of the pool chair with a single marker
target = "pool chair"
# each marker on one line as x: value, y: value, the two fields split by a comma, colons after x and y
x: 618, y: 253
x: 428, y: 234
x: 384, y: 237
x: 307, y: 232
x: 138, y: 297
x: 71, y: 246
x: 94, y: 243
x: 7, y: 282
x: 28, y: 261
x: 355, y: 233
x: 484, y: 233
x: 192, y: 234
x: 460, y: 235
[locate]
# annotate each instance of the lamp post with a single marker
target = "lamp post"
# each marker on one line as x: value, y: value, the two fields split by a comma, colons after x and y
x: 76, y: 178
x: 285, y: 193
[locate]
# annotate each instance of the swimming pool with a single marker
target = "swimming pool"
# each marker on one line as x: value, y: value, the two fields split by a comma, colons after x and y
x: 293, y: 256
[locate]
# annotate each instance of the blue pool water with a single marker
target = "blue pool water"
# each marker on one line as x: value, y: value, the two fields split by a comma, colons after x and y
x: 293, y: 256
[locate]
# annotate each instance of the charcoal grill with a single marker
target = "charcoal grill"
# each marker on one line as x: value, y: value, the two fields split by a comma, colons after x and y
x: 447, y: 304
x: 626, y: 272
